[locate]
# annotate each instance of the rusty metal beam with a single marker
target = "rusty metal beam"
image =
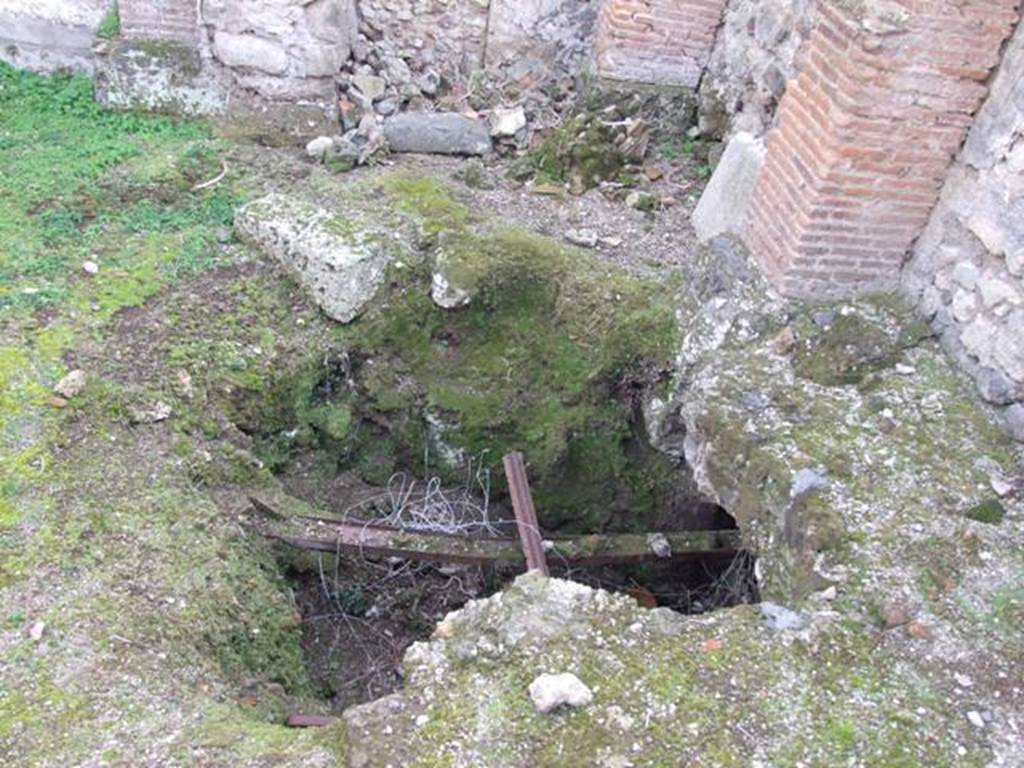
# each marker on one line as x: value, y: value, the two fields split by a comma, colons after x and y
x: 526, y: 514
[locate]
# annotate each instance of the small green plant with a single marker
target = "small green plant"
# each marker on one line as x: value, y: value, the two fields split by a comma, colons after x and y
x: 674, y: 150
x: 110, y: 27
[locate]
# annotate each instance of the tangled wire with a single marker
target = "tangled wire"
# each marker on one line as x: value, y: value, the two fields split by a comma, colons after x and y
x: 429, y: 507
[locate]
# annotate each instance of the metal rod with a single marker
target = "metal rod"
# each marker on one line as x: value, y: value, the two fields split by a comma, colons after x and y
x: 526, y: 514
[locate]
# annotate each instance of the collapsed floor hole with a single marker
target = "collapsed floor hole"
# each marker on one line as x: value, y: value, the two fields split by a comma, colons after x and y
x: 360, y: 615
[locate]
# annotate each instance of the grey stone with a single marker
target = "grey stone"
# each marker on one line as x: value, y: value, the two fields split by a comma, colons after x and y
x: 446, y: 294
x: 807, y: 480
x: 1013, y: 418
x: 966, y: 274
x: 429, y: 83
x: 780, y: 618
x: 964, y: 306
x: 995, y: 290
x: 723, y: 206
x: 548, y: 692
x: 996, y: 387
x: 387, y: 107
x: 251, y: 52
x: 71, y: 385
x: 318, y: 147
x: 756, y: 400
x: 397, y: 70
x: 150, y: 413
x: 444, y: 133
x: 507, y: 122
x: 370, y: 86
x: 585, y: 238
x: 338, y: 265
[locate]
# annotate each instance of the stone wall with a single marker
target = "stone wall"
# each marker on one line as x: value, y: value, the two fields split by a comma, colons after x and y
x: 273, y: 59
x: 755, y: 54
x: 867, y: 130
x: 427, y: 38
x: 280, y: 48
x: 47, y: 35
x: 967, y: 270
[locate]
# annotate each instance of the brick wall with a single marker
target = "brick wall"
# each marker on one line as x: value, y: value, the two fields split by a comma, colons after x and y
x: 665, y: 42
x: 159, y: 19
x: 866, y: 134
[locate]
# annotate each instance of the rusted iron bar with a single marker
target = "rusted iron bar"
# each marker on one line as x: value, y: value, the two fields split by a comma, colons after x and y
x: 526, y: 514
x: 323, y: 534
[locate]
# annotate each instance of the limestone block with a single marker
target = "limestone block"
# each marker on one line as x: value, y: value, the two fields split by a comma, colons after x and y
x: 339, y: 265
x: 251, y: 52
x: 723, y: 206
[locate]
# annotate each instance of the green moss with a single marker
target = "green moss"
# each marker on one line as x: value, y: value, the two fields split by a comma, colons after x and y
x: 581, y: 152
x: 990, y: 511
x: 427, y: 199
x: 844, y: 352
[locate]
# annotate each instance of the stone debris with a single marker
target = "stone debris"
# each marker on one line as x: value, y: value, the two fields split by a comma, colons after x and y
x: 442, y: 133
x: 36, y: 630
x: 807, y: 480
x: 585, y: 238
x: 659, y: 545
x: 506, y: 123
x: 338, y: 265
x: 71, y: 385
x: 780, y: 618
x: 642, y: 201
x: 318, y: 147
x: 150, y: 414
x: 90, y: 267
x: 548, y: 692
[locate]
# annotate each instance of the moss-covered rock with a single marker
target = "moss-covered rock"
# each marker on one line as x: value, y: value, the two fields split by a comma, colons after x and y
x: 582, y: 153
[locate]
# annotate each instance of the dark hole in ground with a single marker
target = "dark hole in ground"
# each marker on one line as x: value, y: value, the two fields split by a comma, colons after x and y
x: 351, y: 454
x: 360, y: 615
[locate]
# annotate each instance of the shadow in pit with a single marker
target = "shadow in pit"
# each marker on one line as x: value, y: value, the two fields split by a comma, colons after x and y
x: 360, y: 615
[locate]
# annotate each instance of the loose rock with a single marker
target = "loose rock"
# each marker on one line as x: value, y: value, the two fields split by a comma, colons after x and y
x: 71, y: 385
x: 442, y: 133
x: 548, y: 692
x: 150, y: 414
x: 778, y: 617
x: 507, y: 122
x: 318, y: 147
x: 586, y: 238
x: 642, y: 201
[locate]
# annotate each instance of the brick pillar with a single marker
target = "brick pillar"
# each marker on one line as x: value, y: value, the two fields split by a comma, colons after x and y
x: 159, y: 20
x: 664, y: 42
x: 865, y: 135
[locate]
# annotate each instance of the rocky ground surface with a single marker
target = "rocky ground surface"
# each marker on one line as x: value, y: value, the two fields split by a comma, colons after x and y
x: 142, y: 622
